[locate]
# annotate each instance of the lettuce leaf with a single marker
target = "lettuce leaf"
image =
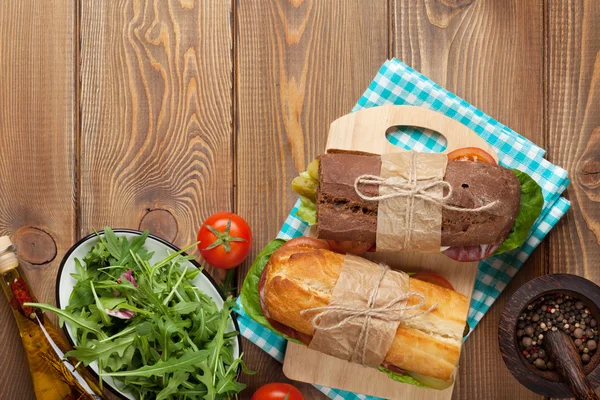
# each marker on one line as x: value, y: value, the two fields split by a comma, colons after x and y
x: 532, y: 202
x: 402, y: 378
x: 307, y: 211
x: 249, y: 295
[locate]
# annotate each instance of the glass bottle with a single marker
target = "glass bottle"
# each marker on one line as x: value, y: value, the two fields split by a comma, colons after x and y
x: 54, y: 376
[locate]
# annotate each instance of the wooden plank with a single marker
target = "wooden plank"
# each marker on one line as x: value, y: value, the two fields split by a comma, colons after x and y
x: 490, y: 53
x: 573, y: 126
x: 37, y: 114
x: 300, y: 65
x: 572, y: 89
x: 156, y: 115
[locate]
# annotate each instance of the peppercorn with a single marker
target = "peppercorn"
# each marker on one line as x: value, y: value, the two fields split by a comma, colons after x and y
x: 589, y: 333
x: 539, y: 363
x: 558, y: 311
x: 585, y: 358
x: 541, y: 353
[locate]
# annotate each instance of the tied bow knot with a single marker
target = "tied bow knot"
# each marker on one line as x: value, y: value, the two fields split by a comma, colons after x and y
x: 411, y: 189
x: 392, y: 311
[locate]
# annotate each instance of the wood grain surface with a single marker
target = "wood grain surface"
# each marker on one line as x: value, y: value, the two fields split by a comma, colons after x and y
x: 37, y: 153
x: 572, y: 93
x: 482, y: 52
x: 155, y: 114
x: 573, y: 124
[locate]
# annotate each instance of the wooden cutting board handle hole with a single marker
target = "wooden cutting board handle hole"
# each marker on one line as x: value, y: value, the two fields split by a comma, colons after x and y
x: 365, y: 130
x: 413, y: 138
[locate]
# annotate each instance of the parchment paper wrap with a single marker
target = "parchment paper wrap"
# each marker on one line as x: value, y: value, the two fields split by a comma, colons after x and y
x: 358, y: 278
x: 409, y: 223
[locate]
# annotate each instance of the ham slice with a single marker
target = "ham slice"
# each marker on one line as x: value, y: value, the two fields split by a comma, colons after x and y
x: 471, y: 253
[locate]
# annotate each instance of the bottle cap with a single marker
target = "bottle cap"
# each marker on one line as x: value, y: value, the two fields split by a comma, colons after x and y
x: 5, y: 243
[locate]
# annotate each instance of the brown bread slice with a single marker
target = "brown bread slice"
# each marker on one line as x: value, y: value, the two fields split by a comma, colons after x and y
x: 342, y: 215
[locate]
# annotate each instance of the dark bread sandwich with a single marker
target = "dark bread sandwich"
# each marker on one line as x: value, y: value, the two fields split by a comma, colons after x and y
x: 341, y: 215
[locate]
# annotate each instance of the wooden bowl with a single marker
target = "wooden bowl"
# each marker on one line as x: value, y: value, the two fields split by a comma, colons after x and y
x: 546, y: 383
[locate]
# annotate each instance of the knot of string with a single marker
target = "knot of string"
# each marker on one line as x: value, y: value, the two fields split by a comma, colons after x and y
x: 392, y: 311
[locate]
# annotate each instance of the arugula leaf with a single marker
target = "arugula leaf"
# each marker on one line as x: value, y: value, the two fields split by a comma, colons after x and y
x: 185, y: 307
x: 186, y: 362
x: 80, y: 322
x: 226, y: 384
x: 100, y: 307
x: 117, y: 362
x: 173, y: 383
x: 207, y: 379
x: 81, y: 274
x: 112, y: 303
x: 532, y: 202
x: 112, y: 243
x: 135, y: 246
x: 100, y: 350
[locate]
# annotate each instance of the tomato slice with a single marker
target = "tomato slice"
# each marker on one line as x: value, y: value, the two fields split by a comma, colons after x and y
x: 435, y: 279
x: 349, y: 246
x: 471, y: 154
x: 306, y: 242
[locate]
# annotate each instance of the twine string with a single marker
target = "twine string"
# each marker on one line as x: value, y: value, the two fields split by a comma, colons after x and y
x: 412, y: 190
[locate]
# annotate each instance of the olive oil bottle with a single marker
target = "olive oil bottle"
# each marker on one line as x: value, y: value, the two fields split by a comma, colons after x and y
x: 54, y: 376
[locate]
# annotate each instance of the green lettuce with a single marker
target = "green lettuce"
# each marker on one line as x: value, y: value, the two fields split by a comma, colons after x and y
x: 401, y: 377
x: 532, y: 201
x: 307, y: 211
x: 249, y: 295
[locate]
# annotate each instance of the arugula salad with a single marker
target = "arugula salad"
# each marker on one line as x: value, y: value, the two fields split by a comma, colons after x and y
x: 148, y: 326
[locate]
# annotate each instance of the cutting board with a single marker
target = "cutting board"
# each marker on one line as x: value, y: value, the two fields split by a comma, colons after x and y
x: 365, y: 131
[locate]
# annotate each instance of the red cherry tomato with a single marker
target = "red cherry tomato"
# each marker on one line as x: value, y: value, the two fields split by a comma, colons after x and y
x: 471, y: 154
x: 225, y: 240
x: 306, y: 242
x: 277, y: 391
x: 433, y: 278
x: 348, y: 246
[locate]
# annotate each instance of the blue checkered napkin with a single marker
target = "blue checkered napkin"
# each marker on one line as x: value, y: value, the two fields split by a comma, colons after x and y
x: 396, y: 83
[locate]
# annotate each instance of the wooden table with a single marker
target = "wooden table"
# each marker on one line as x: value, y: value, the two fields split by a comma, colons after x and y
x: 157, y: 114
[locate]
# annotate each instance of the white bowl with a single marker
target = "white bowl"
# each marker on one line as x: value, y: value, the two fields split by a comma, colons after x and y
x: 65, y: 283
